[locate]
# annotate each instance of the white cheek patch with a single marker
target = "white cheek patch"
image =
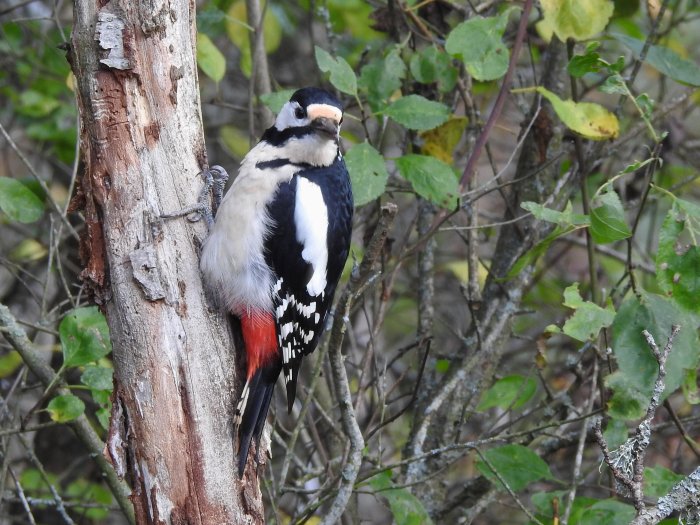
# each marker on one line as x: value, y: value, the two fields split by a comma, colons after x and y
x: 287, y: 117
x: 311, y: 221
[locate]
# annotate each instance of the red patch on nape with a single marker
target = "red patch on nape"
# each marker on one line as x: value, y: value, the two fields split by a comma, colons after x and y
x: 260, y: 338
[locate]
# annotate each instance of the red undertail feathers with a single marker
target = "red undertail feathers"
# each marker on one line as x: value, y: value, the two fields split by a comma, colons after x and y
x: 263, y: 369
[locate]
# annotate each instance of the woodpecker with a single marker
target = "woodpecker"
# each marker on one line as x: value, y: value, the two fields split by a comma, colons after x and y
x: 277, y: 247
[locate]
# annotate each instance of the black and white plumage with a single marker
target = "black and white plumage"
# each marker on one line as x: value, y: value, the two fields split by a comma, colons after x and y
x: 278, y: 246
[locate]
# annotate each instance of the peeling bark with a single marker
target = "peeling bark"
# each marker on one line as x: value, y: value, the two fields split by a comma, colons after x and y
x: 142, y: 149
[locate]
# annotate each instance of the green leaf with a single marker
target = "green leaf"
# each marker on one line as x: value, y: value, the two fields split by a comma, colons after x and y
x: 510, y: 392
x: 434, y: 65
x: 90, y: 493
x: 690, y: 387
x: 102, y: 416
x: 627, y: 401
x: 442, y: 366
x: 588, y: 319
x: 97, y: 378
x: 577, y: 19
x: 210, y: 59
x: 210, y: 20
x: 65, y: 408
x: 664, y: 60
x: 478, y: 43
x: 536, y: 251
x: 614, y: 85
x: 431, y: 178
x: 381, y: 78
x: 607, y: 512
x: 368, y: 173
x: 615, y: 433
x: 566, y: 217
x: 589, y: 62
x: 608, y: 222
x: 19, y: 202
x: 276, y: 100
x: 645, y: 104
x: 35, y: 104
x: 33, y: 480
x: 342, y: 75
x: 9, y: 363
x: 544, y: 504
x: 658, y: 481
x: 591, y: 120
x: 405, y: 507
x: 84, y: 336
x: 517, y: 465
x: 633, y: 382
x: 417, y: 112
x: 678, y: 262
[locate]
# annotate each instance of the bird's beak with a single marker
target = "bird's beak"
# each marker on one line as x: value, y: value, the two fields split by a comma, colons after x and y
x: 326, y: 126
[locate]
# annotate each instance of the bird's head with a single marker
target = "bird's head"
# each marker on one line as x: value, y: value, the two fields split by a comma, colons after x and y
x: 308, y: 127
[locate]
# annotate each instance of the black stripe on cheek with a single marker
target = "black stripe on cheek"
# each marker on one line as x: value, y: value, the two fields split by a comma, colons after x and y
x: 278, y: 137
x: 279, y: 163
x: 272, y: 164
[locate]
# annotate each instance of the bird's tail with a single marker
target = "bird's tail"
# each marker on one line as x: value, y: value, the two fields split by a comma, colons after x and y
x: 264, y: 365
x: 251, y: 412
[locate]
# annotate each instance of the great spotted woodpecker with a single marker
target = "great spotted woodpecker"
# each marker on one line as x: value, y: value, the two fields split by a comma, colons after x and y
x: 278, y: 246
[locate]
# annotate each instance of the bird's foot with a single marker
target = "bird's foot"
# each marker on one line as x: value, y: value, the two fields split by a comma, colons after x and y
x: 214, y: 182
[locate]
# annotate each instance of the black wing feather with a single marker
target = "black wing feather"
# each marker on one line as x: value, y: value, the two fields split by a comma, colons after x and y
x: 283, y: 253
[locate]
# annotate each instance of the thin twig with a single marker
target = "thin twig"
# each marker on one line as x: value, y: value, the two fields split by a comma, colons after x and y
x: 683, y: 496
x: 41, y: 181
x: 45, y: 478
x: 627, y: 462
x: 576, y: 475
x: 692, y: 444
x: 510, y: 491
x: 649, y: 174
x: 358, y: 282
x: 22, y: 497
x: 582, y: 173
x: 17, y: 337
x: 480, y: 144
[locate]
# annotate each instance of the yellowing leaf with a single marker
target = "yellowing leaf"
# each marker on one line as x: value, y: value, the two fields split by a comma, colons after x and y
x: 235, y: 141
x: 577, y: 19
x: 71, y: 82
x: 441, y: 141
x: 238, y: 30
x: 545, y: 28
x: 460, y: 269
x: 28, y: 250
x: 9, y: 362
x: 591, y: 120
x: 210, y: 60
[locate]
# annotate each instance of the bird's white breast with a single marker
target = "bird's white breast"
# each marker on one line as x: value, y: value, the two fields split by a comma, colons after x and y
x: 233, y: 259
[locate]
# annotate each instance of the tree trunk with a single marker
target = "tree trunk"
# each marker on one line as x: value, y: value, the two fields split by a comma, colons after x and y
x: 142, y: 149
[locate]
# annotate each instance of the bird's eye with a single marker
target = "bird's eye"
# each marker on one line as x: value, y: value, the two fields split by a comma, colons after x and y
x: 299, y: 113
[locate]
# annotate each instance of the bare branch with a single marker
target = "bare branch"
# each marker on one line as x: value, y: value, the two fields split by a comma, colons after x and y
x: 17, y: 337
x: 684, y: 497
x: 359, y: 280
x: 627, y: 462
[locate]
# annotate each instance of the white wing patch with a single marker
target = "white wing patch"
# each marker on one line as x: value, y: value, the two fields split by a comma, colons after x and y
x: 311, y: 221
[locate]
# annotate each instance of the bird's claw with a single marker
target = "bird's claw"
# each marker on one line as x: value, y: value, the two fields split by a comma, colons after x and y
x: 214, y: 182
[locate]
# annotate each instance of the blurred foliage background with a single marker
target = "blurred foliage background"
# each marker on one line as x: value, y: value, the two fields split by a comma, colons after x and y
x: 508, y: 313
